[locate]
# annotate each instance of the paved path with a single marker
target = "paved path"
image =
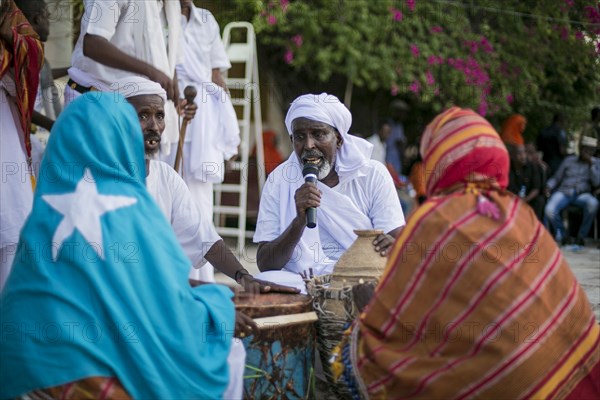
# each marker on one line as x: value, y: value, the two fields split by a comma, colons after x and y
x: 585, y: 263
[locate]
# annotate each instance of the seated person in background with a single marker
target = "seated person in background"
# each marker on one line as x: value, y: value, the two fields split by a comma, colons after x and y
x: 353, y: 192
x: 472, y: 267
x: 535, y: 157
x: 112, y: 308
x: 592, y: 128
x: 525, y: 179
x: 378, y: 140
x: 572, y: 184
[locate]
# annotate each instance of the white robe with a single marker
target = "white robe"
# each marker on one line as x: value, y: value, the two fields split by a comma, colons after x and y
x: 196, y: 236
x: 213, y: 136
x: 16, y: 194
x: 135, y: 27
x: 368, y: 200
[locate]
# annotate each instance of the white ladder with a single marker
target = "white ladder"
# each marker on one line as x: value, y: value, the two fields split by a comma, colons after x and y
x: 245, y: 95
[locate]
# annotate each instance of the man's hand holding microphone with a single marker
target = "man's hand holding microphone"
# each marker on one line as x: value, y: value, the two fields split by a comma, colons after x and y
x: 308, y: 196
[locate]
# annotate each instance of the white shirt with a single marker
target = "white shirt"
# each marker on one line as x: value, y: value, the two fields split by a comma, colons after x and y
x: 372, y: 193
x: 135, y: 28
x: 175, y: 201
x: 378, y: 148
x: 203, y: 48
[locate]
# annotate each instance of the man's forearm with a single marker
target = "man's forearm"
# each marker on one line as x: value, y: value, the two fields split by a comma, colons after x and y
x: 221, y: 257
x: 275, y: 254
x: 41, y: 120
x: 101, y: 50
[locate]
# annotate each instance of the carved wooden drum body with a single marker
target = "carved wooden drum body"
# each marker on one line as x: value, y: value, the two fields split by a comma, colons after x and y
x: 280, y: 357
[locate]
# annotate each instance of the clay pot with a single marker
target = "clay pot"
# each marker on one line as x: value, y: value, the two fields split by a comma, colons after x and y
x: 359, y: 262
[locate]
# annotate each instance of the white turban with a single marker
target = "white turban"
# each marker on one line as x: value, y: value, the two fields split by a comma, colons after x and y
x: 589, y: 141
x: 134, y: 86
x: 355, y: 152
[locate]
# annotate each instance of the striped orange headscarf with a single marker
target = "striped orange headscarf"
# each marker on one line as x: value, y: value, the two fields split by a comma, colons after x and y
x: 471, y: 306
x: 23, y: 61
x: 458, y: 147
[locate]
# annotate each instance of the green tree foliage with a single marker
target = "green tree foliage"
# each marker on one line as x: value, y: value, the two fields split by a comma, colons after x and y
x: 495, y: 56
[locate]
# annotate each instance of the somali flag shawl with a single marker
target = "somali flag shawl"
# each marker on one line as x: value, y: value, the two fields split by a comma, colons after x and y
x: 476, y: 300
x: 112, y: 301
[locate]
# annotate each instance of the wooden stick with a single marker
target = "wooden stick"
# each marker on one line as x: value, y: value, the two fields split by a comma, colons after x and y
x: 190, y: 93
x: 278, y: 321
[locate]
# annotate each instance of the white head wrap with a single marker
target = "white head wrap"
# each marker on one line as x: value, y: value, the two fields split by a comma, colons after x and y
x: 134, y: 86
x: 589, y: 141
x: 326, y: 108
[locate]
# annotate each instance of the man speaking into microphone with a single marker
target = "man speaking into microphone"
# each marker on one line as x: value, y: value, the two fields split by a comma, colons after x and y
x: 329, y: 174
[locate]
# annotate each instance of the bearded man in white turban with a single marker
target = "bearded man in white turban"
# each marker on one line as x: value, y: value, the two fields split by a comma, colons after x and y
x: 352, y: 192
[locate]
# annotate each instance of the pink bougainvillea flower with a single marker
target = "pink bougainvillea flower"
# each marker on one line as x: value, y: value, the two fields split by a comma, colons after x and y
x: 297, y: 39
x: 579, y: 35
x: 429, y: 78
x: 288, y: 57
x: 396, y: 14
x: 432, y: 60
x: 415, y: 87
x: 592, y: 14
x: 271, y: 20
x: 570, y: 3
x: 284, y: 5
x: 483, y: 106
x: 414, y: 50
x: 411, y: 4
x: 472, y: 45
x: 510, y: 99
x: 564, y: 33
x: 485, y: 45
x: 394, y: 90
x: 436, y: 29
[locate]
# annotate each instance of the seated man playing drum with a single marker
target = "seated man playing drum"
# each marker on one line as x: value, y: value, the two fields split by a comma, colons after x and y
x: 352, y: 192
x: 198, y: 238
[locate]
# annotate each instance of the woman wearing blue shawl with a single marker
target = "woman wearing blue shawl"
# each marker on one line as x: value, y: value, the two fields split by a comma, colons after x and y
x: 99, y: 284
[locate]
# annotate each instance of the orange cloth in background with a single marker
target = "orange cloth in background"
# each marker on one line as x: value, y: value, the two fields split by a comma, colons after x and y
x: 272, y: 155
x: 513, y: 128
x: 417, y: 178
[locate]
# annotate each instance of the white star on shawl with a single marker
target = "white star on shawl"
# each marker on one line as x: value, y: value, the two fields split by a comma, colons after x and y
x: 82, y: 210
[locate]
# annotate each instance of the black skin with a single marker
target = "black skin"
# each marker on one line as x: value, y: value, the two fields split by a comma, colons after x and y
x: 151, y: 114
x: 322, y: 141
x: 101, y: 50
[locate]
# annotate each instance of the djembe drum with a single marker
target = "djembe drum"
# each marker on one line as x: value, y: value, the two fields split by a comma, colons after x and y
x: 280, y: 357
x: 333, y: 300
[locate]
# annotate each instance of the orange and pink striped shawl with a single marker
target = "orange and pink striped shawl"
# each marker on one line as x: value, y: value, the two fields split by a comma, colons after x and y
x: 23, y: 59
x: 472, y: 305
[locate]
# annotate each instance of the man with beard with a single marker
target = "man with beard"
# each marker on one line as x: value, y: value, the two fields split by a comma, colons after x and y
x: 352, y: 192
x: 198, y: 237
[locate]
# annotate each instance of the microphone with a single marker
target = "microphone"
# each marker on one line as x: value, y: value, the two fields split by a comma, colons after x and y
x: 310, y: 172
